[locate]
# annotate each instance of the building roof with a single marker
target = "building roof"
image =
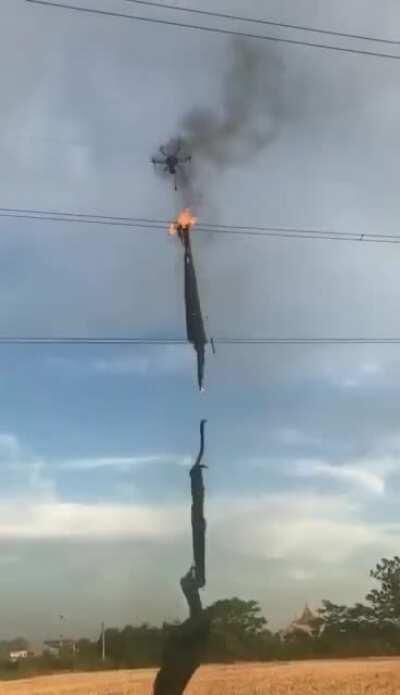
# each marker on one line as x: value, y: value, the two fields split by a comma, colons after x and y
x: 14, y: 652
x: 306, y: 617
x: 304, y: 623
x: 57, y: 643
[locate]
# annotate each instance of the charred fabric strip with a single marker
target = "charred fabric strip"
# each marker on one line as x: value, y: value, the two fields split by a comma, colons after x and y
x: 194, y: 320
x: 186, y: 643
x: 185, y: 646
x: 198, y: 520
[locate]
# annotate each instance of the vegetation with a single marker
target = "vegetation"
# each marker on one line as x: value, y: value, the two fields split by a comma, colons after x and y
x: 239, y: 632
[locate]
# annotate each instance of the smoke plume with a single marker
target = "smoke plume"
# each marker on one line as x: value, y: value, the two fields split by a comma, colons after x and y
x: 244, y: 123
x: 250, y: 107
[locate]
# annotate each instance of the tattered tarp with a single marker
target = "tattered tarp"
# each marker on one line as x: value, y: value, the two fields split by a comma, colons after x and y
x: 194, y: 320
x: 186, y: 643
x: 198, y: 520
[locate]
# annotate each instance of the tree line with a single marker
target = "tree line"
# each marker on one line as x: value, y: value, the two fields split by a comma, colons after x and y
x: 239, y: 632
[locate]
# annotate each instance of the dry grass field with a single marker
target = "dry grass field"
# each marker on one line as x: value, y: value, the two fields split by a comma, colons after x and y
x: 372, y: 676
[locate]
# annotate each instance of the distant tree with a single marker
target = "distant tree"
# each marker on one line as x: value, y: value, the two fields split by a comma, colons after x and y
x: 362, y: 629
x: 238, y: 631
x: 88, y: 651
x: 236, y: 615
x: 385, y: 600
x: 334, y: 615
x: 135, y: 646
x: 347, y: 630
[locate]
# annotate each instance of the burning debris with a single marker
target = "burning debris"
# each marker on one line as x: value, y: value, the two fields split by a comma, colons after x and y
x: 172, y: 160
x: 194, y: 320
x: 185, y: 220
x: 186, y: 643
x: 220, y: 136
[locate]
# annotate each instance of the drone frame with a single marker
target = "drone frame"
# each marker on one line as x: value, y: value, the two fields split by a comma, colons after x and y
x: 180, y: 160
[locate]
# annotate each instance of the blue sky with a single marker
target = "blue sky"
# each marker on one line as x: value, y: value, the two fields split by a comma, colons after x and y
x: 96, y: 442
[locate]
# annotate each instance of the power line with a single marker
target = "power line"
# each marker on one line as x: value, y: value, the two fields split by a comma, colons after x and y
x: 161, y: 225
x: 265, y: 22
x: 64, y: 216
x: 143, y: 223
x: 308, y: 341
x: 215, y: 30
x: 64, y: 340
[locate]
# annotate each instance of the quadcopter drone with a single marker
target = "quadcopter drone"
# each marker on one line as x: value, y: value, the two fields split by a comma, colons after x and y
x: 172, y: 160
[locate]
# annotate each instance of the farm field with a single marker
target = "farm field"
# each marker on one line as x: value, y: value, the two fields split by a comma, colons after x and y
x: 355, y: 677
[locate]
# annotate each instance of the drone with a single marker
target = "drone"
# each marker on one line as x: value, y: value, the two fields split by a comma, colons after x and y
x: 172, y: 160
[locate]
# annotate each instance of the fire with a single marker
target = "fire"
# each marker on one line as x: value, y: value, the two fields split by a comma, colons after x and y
x: 185, y: 220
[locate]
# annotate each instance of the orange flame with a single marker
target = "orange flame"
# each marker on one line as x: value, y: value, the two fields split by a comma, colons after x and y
x: 185, y: 220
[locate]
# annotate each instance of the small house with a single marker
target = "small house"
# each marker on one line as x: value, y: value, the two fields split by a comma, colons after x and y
x: 18, y: 655
x: 59, y: 647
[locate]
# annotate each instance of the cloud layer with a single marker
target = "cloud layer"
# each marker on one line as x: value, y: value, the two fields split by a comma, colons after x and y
x: 303, y: 442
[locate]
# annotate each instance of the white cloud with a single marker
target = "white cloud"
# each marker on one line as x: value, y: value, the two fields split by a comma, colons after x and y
x: 23, y: 474
x: 354, y: 373
x: 166, y: 359
x: 9, y: 447
x: 155, y: 359
x: 102, y: 521
x: 302, y: 529
x: 371, y: 368
x: 82, y: 464
x: 133, y: 364
x: 348, y: 474
x: 301, y: 575
x: 38, y: 134
x: 31, y: 508
x: 296, y: 539
x: 305, y: 529
x: 291, y: 436
x: 319, y: 540
x: 8, y: 559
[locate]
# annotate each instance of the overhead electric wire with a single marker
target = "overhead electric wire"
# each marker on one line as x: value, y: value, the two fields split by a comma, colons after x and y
x: 151, y: 222
x: 215, y: 30
x: 65, y: 340
x: 147, y: 223
x: 157, y: 225
x: 233, y: 230
x: 266, y: 22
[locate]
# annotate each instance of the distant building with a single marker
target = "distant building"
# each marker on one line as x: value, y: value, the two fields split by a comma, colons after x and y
x: 58, y: 647
x: 307, y: 623
x: 17, y: 655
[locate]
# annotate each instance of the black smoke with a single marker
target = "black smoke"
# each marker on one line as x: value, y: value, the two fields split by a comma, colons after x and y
x: 244, y: 122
